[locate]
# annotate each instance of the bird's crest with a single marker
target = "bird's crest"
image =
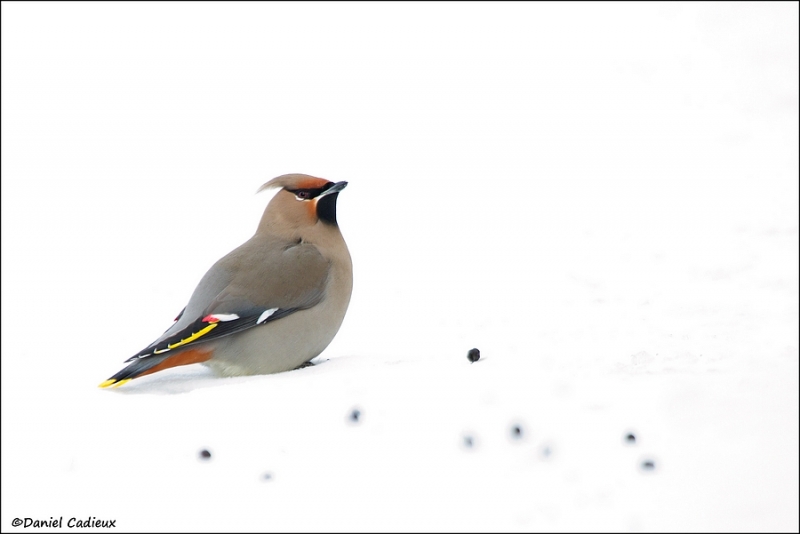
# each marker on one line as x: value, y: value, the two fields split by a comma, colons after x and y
x: 294, y: 181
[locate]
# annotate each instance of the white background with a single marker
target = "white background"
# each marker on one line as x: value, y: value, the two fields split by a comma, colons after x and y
x: 603, y: 198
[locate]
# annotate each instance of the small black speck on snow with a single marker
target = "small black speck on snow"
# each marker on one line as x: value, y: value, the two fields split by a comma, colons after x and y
x: 355, y: 416
x: 266, y: 477
x: 468, y: 442
x: 516, y: 431
x: 473, y: 355
x: 205, y: 454
x: 630, y: 438
x: 648, y: 465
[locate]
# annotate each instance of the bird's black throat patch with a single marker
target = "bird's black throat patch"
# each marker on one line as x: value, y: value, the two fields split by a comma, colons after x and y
x: 326, y: 209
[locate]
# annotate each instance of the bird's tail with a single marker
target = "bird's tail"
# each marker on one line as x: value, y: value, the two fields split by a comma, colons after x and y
x: 155, y: 363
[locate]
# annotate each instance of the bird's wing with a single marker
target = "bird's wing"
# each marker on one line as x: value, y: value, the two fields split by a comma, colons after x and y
x: 213, y: 326
x: 266, y: 284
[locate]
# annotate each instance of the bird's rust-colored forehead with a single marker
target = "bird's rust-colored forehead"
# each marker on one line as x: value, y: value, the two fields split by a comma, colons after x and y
x: 310, y: 183
x: 295, y: 181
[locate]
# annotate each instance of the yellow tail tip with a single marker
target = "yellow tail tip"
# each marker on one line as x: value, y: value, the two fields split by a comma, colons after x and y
x: 113, y: 383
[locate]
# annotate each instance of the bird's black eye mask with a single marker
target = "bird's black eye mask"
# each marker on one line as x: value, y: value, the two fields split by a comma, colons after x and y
x: 308, y: 193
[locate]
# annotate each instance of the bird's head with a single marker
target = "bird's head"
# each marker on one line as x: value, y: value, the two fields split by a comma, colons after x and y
x: 303, y: 201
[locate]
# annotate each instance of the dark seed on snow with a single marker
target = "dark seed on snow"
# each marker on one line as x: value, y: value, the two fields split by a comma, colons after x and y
x: 630, y: 438
x: 205, y: 455
x: 516, y: 431
x: 648, y: 465
x: 474, y: 355
x: 267, y: 477
x: 355, y: 415
x: 468, y: 441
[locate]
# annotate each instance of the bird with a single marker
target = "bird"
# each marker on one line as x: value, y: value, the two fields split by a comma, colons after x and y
x: 270, y: 305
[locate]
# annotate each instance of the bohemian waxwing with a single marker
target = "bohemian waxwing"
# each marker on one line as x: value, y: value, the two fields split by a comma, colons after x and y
x: 272, y: 304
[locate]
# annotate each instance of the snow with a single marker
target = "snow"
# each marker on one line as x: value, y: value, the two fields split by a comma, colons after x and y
x: 602, y: 198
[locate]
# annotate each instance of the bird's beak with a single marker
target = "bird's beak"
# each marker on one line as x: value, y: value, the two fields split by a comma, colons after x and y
x: 335, y: 188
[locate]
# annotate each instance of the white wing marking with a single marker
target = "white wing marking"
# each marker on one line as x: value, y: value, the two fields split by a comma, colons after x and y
x: 264, y: 316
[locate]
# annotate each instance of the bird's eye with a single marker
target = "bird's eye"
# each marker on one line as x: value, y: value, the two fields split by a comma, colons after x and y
x: 302, y: 195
